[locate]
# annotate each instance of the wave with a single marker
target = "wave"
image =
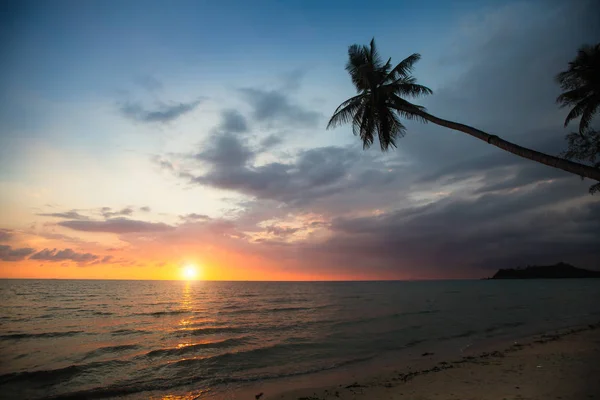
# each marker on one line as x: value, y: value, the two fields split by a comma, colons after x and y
x: 194, y: 347
x: 102, y: 313
x: 283, y: 309
x: 503, y: 325
x: 58, y: 375
x: 170, y: 384
x: 163, y: 313
x: 210, y: 330
x: 123, y: 332
x: 246, y: 359
x: 18, y: 336
x: 459, y: 335
x: 109, y: 350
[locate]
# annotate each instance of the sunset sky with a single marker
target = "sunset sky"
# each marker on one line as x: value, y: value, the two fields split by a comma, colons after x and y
x: 137, y: 137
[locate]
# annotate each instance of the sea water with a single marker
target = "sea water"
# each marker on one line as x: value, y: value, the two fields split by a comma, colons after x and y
x: 171, y: 339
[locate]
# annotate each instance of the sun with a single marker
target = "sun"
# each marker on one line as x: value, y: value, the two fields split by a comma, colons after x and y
x: 189, y: 272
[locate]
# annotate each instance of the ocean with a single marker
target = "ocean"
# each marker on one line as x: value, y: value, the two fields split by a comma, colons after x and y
x: 179, y: 340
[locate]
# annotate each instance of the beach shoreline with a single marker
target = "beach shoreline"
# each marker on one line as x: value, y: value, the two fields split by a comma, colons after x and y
x: 556, y: 364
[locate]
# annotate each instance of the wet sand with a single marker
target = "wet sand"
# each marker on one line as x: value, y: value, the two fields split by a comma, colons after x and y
x: 560, y: 365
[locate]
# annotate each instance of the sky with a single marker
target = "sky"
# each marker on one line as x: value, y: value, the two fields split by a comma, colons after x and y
x: 139, y: 137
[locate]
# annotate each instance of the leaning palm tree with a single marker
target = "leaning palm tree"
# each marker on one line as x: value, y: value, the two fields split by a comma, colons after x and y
x: 581, y: 85
x: 381, y: 102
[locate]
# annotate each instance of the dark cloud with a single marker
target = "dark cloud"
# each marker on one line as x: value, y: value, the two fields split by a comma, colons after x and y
x: 116, y: 225
x: 276, y: 106
x: 145, y: 209
x: 73, y: 214
x: 5, y: 235
x: 7, y: 253
x: 489, y: 231
x: 315, y: 173
x: 226, y: 152
x: 233, y: 121
x: 108, y: 213
x: 270, y: 141
x: 64, y: 255
x: 193, y: 217
x: 164, y: 113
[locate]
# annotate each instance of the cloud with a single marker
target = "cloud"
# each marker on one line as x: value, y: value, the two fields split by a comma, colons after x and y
x: 281, y: 230
x: 315, y: 172
x: 7, y: 253
x: 233, y: 121
x: 5, y: 235
x: 64, y: 255
x: 116, y: 225
x: 73, y: 214
x: 162, y: 163
x: 165, y: 113
x: 276, y: 106
x: 193, y: 217
x: 270, y: 141
x: 108, y: 213
x: 484, y: 232
x: 225, y: 152
x: 145, y: 209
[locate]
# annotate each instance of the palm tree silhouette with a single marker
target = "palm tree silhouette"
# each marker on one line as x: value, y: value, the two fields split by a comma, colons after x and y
x: 581, y: 85
x: 380, y: 103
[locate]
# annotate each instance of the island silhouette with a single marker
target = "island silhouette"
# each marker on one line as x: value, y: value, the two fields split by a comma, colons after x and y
x: 560, y: 270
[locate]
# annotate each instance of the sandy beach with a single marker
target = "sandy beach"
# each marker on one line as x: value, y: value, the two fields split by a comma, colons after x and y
x: 559, y: 365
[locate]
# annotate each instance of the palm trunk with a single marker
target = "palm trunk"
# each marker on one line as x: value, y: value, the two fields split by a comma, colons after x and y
x: 556, y: 162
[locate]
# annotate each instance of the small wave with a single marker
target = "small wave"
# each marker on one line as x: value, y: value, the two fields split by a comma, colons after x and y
x: 18, y: 336
x: 414, y: 342
x: 45, y: 316
x: 283, y: 309
x: 422, y: 312
x: 504, y: 325
x: 123, y: 332
x: 245, y: 358
x: 102, y: 313
x: 109, y: 350
x: 209, y: 330
x: 163, y: 313
x: 58, y: 375
x: 460, y: 335
x: 193, y: 347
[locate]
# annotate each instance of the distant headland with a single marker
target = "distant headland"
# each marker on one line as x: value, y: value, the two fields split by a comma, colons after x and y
x: 556, y: 271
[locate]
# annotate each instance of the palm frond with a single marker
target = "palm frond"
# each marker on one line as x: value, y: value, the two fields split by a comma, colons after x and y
x: 573, y: 96
x: 346, y: 111
x: 576, y: 111
x: 404, y: 67
x: 587, y: 115
x: 389, y: 128
x: 356, y: 67
x: 413, y: 90
x: 367, y: 126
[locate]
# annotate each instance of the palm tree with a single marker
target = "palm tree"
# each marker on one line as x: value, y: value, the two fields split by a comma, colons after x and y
x: 380, y: 103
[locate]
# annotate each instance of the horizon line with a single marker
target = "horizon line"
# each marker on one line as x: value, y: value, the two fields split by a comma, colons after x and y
x: 218, y: 280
